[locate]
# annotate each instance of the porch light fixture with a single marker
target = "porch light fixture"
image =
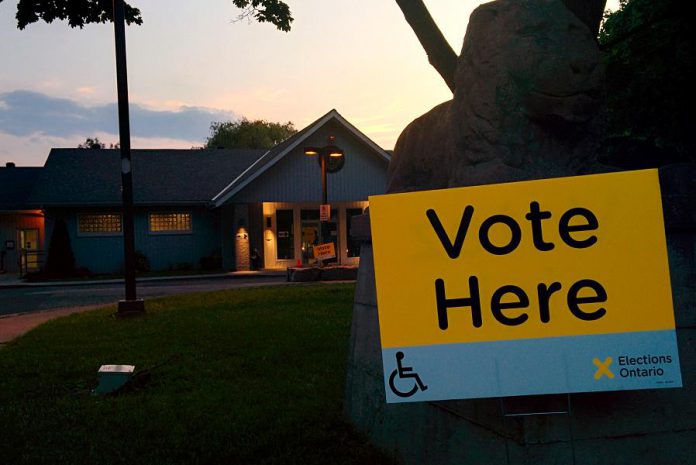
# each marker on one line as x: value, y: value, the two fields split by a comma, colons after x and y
x: 330, y: 155
x: 333, y: 151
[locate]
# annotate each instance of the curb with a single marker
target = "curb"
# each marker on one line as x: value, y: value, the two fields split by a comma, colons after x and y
x: 88, y: 282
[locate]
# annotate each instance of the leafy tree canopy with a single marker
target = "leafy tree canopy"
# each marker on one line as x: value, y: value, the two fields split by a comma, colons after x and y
x: 245, y: 134
x: 275, y: 12
x: 76, y: 12
x: 81, y: 12
x: 95, y: 143
x: 650, y: 56
x: 90, y: 143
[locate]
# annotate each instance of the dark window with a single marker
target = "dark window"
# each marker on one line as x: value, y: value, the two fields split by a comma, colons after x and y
x: 310, y: 215
x: 353, y: 245
x: 284, y: 233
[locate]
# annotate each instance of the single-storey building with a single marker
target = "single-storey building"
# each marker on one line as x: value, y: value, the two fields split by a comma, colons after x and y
x: 213, y: 208
x: 21, y: 226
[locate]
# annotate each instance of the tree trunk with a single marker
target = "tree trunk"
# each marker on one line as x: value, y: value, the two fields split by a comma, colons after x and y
x: 439, y: 52
x: 441, y: 55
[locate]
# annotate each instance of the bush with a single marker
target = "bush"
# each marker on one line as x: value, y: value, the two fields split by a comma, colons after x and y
x: 43, y: 275
x: 181, y: 266
x: 211, y: 262
x: 60, y: 261
x: 142, y: 264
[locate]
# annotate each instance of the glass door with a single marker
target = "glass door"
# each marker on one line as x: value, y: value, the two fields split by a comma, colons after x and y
x: 29, y: 240
x: 311, y: 234
x: 310, y: 229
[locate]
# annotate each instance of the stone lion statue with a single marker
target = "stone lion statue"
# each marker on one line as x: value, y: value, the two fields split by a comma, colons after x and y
x: 527, y: 103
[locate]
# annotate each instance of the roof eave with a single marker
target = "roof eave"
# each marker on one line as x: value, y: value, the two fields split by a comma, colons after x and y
x: 172, y: 203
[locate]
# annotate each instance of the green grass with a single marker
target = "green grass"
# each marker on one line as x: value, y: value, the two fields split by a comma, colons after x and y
x: 252, y: 376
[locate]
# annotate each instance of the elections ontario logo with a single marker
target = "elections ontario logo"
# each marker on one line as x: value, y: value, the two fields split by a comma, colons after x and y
x: 657, y: 369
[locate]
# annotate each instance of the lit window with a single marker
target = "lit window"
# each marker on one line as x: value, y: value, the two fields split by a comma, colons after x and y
x: 99, y: 223
x: 170, y: 222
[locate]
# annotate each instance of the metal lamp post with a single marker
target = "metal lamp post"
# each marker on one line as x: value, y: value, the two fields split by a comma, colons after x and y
x: 131, y: 305
x: 331, y: 159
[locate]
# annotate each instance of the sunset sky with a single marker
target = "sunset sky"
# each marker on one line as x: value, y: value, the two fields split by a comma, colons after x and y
x: 191, y: 63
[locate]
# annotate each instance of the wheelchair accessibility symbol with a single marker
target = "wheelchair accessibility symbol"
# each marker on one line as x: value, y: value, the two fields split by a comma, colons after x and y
x: 404, y: 372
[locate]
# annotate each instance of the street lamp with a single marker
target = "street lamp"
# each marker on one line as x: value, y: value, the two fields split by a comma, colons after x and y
x: 331, y: 159
x: 131, y: 305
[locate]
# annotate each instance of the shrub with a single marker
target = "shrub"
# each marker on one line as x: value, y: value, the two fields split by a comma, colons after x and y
x: 181, y: 266
x: 61, y: 260
x: 212, y: 261
x: 142, y: 264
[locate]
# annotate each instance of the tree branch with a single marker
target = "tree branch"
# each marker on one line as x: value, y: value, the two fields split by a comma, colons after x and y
x: 439, y: 52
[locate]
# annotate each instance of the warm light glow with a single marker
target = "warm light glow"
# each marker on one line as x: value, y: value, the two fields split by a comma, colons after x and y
x: 334, y: 151
x: 311, y: 151
x: 170, y: 222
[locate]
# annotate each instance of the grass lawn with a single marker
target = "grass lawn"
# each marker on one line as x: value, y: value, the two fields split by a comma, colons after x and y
x: 250, y: 376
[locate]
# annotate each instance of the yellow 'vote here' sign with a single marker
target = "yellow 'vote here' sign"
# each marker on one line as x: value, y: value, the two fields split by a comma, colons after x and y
x: 532, y: 260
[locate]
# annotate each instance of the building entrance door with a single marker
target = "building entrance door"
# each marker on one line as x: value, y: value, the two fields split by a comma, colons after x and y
x: 29, y: 242
x: 310, y: 228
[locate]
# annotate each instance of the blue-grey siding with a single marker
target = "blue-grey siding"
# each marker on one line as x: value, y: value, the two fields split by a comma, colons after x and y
x: 297, y: 178
x: 104, y: 254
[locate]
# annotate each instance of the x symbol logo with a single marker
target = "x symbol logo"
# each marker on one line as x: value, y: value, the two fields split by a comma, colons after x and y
x: 603, y: 368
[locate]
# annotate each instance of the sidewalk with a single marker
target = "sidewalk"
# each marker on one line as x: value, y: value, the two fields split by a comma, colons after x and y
x: 10, y: 281
x: 12, y: 326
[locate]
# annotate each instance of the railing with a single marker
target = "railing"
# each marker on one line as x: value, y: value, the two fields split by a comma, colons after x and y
x: 30, y: 261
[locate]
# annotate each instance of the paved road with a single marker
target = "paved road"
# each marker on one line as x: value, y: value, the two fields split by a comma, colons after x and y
x: 31, y: 299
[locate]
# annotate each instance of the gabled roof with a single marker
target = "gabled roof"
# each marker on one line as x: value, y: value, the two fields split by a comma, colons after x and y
x: 15, y: 187
x: 274, y: 155
x: 160, y: 177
